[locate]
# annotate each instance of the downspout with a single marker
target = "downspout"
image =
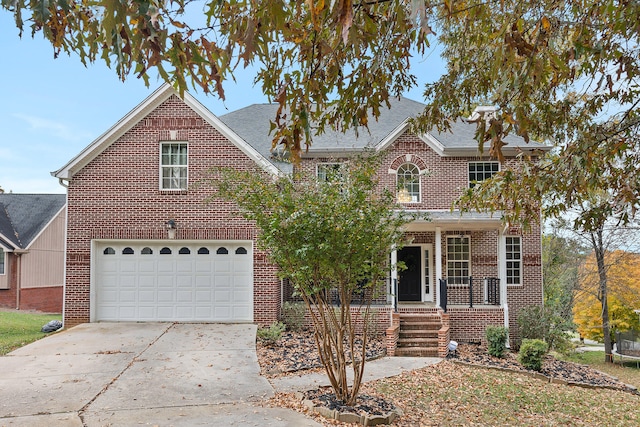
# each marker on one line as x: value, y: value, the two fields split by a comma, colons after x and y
x: 65, y: 183
x: 18, y: 254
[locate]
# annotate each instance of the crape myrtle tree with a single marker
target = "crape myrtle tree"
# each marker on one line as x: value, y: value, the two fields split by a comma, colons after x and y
x: 327, y: 237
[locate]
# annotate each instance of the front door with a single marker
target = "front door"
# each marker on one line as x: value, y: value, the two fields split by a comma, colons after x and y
x: 410, y: 279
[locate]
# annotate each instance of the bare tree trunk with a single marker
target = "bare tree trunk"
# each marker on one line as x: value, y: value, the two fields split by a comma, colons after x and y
x: 599, y: 249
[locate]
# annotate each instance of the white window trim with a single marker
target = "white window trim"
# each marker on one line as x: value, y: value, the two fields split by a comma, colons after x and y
x: 161, y: 166
x: 427, y: 264
x: 419, y: 184
x: 4, y: 253
x: 506, y: 269
x: 446, y: 240
x: 327, y: 164
x: 480, y: 162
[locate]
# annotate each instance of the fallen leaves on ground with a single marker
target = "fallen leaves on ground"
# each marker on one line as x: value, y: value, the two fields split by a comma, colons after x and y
x: 297, y: 351
x: 451, y: 394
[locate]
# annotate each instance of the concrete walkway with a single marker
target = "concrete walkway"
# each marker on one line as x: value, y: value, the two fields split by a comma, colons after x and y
x: 160, y: 374
x: 375, y: 369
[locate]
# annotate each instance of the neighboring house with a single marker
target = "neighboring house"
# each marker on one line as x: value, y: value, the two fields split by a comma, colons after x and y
x: 32, y: 251
x: 143, y: 244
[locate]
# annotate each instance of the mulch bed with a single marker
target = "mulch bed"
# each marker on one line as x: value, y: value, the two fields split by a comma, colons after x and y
x: 296, y: 351
x: 551, y: 367
x: 366, y: 404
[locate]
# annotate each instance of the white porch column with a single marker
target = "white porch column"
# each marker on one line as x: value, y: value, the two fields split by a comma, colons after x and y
x: 502, y: 266
x: 438, y: 262
x: 394, y: 278
x: 502, y: 275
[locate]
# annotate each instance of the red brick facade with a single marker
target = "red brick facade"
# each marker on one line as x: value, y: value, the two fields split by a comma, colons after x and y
x: 116, y: 196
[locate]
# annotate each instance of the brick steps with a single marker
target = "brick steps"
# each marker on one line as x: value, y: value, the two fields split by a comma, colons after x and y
x: 418, y: 335
x: 416, y: 352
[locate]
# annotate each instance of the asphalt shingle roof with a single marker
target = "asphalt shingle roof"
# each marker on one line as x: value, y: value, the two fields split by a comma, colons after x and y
x: 252, y: 124
x: 23, y: 216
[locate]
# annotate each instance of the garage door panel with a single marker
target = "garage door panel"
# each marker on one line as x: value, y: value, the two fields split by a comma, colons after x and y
x: 126, y: 312
x: 165, y: 312
x: 222, y: 265
x: 203, y: 281
x: 146, y: 313
x: 165, y: 281
x: 204, y: 266
x: 147, y: 266
x: 173, y: 282
x: 146, y: 296
x: 127, y: 296
x: 165, y: 265
x: 185, y: 267
x: 184, y: 281
x: 185, y: 296
x: 165, y: 296
x: 203, y: 297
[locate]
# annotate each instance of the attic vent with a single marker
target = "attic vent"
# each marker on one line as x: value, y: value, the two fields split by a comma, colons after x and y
x: 486, y: 112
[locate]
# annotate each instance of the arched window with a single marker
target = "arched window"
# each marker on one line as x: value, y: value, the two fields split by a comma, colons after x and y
x: 408, y: 180
x: 165, y: 251
x: 109, y: 251
x: 241, y: 251
x: 146, y: 251
x: 127, y: 251
x: 222, y: 251
x: 203, y: 251
x: 184, y: 251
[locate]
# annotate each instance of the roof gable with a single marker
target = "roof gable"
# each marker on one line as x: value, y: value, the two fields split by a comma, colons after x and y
x: 24, y: 216
x: 140, y: 112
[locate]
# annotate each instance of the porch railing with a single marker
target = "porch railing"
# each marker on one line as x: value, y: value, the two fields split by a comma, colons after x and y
x: 463, y: 291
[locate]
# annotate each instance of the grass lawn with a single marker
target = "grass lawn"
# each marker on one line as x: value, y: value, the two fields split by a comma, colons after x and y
x: 21, y: 328
x: 628, y: 372
x: 448, y: 394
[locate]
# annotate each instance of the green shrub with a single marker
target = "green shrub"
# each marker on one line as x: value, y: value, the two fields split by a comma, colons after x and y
x: 272, y: 334
x: 537, y: 322
x: 531, y: 354
x: 293, y: 315
x: 497, y: 340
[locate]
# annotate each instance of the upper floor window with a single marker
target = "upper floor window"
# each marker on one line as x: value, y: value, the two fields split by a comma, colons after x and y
x: 458, y: 259
x: 479, y: 171
x: 173, y: 165
x: 328, y: 171
x: 1, y: 261
x: 514, y: 260
x: 408, y: 183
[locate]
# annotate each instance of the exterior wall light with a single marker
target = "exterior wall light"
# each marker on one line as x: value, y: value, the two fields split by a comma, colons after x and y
x: 171, y: 228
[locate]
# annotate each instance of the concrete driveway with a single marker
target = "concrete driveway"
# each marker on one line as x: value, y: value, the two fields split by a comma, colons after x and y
x: 131, y: 374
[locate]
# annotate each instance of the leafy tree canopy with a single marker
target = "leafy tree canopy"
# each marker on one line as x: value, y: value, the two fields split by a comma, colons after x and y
x: 563, y: 71
x: 623, y: 295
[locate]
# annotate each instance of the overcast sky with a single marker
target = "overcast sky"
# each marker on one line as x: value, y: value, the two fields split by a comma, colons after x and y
x: 50, y: 109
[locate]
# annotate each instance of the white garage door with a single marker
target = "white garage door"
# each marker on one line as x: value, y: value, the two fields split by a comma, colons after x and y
x: 174, y: 281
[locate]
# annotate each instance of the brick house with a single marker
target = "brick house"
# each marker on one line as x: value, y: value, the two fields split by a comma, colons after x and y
x: 144, y: 245
x: 32, y: 251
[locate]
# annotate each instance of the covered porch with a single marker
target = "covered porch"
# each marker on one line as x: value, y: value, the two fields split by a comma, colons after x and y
x: 450, y: 281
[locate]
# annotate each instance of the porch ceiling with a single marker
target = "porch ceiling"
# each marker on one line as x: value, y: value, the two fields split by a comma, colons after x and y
x: 456, y: 220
